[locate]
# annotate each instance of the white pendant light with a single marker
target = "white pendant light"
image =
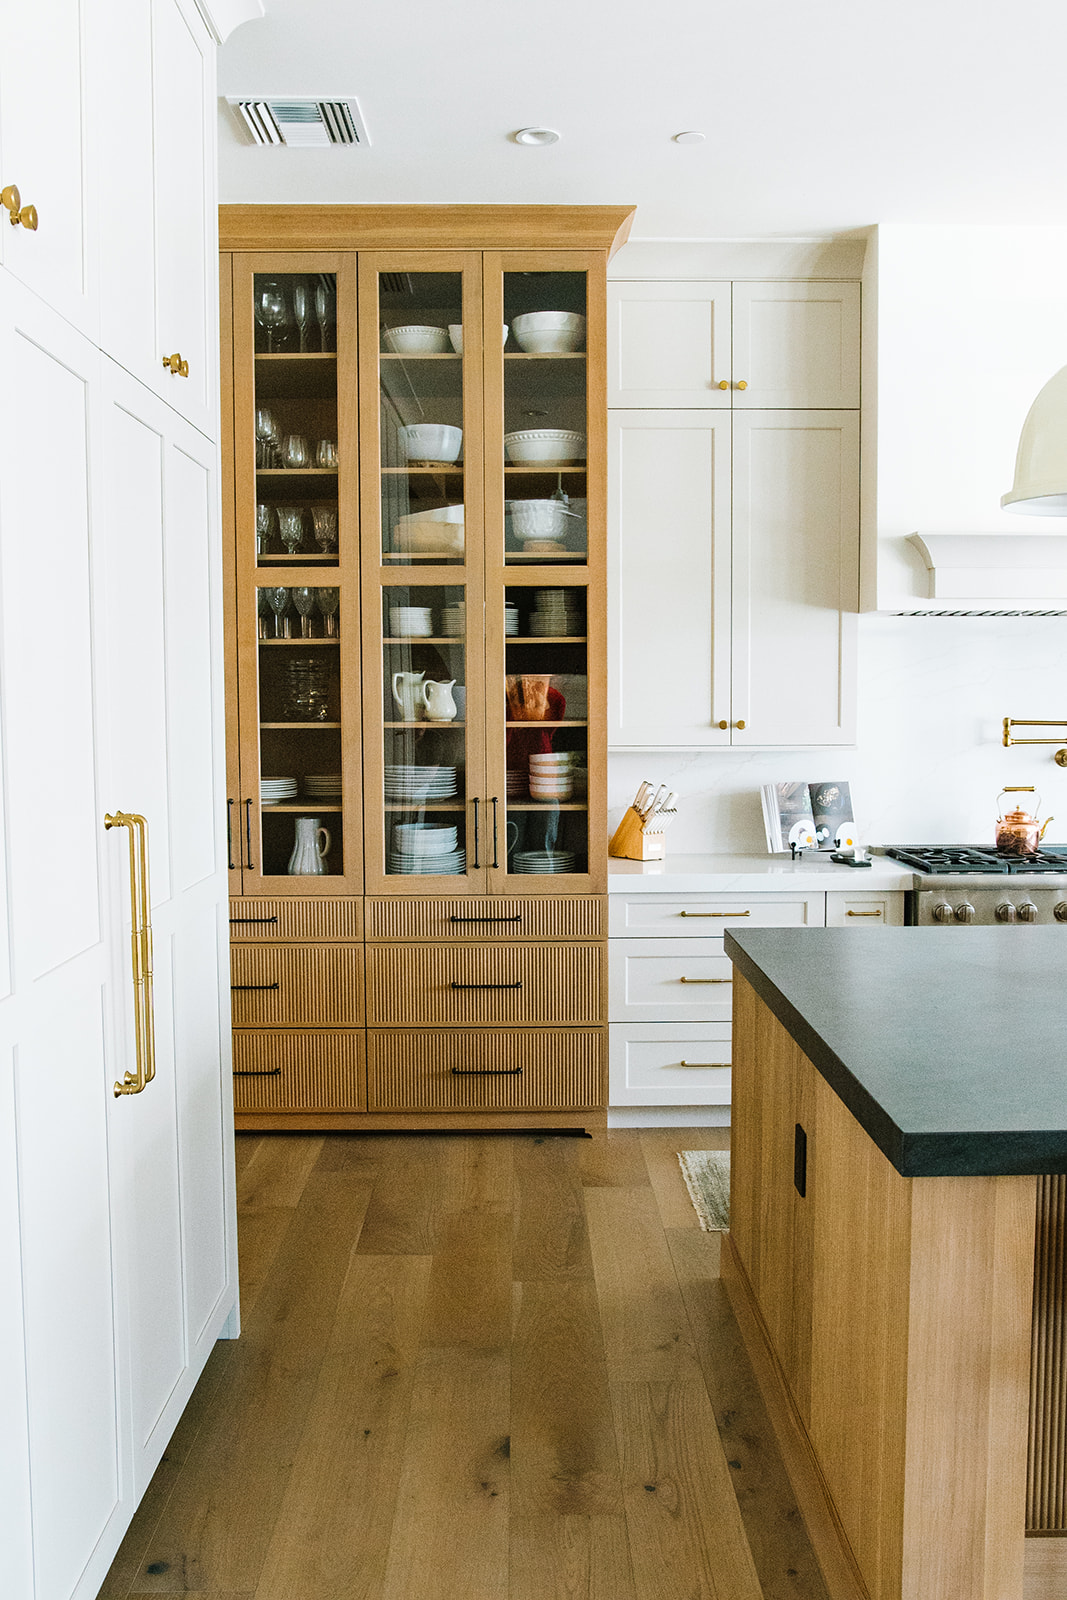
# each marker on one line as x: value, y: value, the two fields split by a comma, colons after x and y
x: 1040, y: 487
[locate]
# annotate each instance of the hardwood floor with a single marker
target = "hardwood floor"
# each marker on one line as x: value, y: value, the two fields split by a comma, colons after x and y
x: 472, y: 1368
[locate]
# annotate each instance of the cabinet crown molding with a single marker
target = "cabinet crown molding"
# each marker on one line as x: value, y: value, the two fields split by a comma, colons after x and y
x: 405, y: 227
x: 995, y: 572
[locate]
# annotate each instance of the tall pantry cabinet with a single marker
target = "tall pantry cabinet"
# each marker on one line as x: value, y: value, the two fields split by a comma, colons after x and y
x: 416, y: 654
x: 117, y: 1236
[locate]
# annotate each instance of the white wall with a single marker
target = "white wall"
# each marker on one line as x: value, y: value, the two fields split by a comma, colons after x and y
x: 933, y: 692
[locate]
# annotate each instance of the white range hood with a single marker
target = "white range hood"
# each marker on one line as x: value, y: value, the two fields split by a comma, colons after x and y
x: 999, y: 574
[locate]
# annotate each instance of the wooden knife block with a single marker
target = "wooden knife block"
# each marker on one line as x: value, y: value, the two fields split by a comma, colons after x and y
x: 631, y: 843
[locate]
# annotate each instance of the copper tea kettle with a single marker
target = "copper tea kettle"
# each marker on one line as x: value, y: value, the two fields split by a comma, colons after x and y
x: 1018, y: 833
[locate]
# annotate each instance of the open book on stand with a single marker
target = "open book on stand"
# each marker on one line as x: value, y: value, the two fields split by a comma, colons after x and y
x: 807, y: 816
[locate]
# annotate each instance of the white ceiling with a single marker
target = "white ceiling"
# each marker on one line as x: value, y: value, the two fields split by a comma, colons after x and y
x: 821, y: 116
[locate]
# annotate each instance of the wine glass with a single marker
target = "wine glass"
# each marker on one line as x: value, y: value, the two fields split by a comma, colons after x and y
x: 325, y: 521
x: 266, y: 433
x: 304, y: 601
x: 326, y: 455
x: 270, y: 309
x: 262, y: 612
x: 328, y: 601
x: 264, y: 517
x: 302, y: 312
x: 278, y: 600
x: 295, y: 452
x: 324, y: 315
x: 291, y: 527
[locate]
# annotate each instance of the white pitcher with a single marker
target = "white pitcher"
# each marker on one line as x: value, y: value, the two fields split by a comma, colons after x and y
x: 438, y: 701
x: 309, y: 856
x: 407, y: 692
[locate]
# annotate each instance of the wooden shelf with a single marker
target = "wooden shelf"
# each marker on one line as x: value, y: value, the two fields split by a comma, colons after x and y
x: 410, y: 725
x: 539, y: 468
x: 453, y: 469
x: 301, y: 560
x: 296, y: 472
x: 544, y: 355
x: 289, y: 643
x: 547, y: 805
x: 533, y: 723
x: 303, y: 726
x: 426, y: 805
x: 428, y: 355
x: 299, y: 356
x: 550, y: 559
x: 424, y: 639
x: 434, y: 558
x: 310, y: 804
x: 546, y: 638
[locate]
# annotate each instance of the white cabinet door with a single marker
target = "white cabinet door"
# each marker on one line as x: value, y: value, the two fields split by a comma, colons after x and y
x: 797, y: 345
x: 46, y: 78
x: 795, y: 577
x: 669, y: 344
x: 158, y: 249
x: 669, y: 578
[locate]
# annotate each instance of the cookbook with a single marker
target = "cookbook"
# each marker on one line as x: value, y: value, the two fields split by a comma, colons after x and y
x: 807, y: 816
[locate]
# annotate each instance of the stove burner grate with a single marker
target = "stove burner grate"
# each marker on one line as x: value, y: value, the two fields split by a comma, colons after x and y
x: 982, y: 858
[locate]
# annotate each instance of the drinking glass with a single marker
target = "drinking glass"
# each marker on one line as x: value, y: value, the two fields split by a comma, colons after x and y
x: 326, y: 455
x: 324, y: 519
x: 262, y: 612
x: 328, y: 601
x: 266, y: 434
x: 278, y: 600
x: 264, y: 518
x: 302, y: 312
x: 304, y: 601
x: 295, y: 452
x: 270, y: 309
x: 291, y: 527
x: 324, y: 316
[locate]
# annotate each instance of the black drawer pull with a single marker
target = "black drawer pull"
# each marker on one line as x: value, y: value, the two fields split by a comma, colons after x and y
x: 517, y: 985
x: 255, y: 986
x: 231, y: 863
x: 486, y: 919
x: 486, y: 1072
x: 800, y: 1161
x: 257, y: 1072
x: 253, y: 919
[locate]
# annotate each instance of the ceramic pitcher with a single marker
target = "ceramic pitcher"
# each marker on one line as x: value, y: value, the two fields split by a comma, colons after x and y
x: 407, y: 692
x: 438, y: 701
x: 309, y: 856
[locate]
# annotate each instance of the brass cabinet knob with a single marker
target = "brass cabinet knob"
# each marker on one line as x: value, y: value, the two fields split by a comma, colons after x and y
x: 742, y: 384
x: 17, y: 212
x: 178, y: 367
x: 740, y: 724
x: 724, y: 725
x: 723, y: 384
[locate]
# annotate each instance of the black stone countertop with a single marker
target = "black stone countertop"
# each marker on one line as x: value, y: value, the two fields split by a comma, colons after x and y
x: 948, y: 1045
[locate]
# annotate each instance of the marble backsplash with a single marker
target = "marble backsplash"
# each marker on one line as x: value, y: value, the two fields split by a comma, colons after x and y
x: 928, y: 762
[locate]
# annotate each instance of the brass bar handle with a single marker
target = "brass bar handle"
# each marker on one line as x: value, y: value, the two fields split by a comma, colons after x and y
x: 1022, y: 722
x: 17, y: 213
x: 257, y: 1072
x: 729, y: 980
x: 486, y: 1072
x: 705, y: 1064
x: 877, y: 913
x: 176, y: 366
x: 478, y: 919
x: 146, y: 943
x: 456, y: 985
x: 140, y: 952
x: 715, y: 913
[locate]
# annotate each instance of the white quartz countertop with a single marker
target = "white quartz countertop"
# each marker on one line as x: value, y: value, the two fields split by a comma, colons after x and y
x: 724, y: 874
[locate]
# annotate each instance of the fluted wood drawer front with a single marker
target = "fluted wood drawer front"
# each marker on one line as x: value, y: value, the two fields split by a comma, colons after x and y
x: 543, y: 918
x: 472, y: 1071
x: 296, y: 919
x: 411, y: 984
x: 299, y: 1071
x: 669, y: 980
x: 686, y: 916
x: 279, y: 983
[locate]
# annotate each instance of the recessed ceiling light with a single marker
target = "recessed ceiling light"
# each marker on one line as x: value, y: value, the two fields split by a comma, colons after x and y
x: 536, y: 136
x: 690, y: 137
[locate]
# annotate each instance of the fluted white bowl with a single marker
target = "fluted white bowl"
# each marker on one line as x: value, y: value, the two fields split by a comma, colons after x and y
x: 416, y: 339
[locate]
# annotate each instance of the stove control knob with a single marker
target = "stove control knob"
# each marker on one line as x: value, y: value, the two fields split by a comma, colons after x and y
x: 1028, y: 911
x: 965, y: 912
x: 944, y: 913
x: 1005, y: 912
x: 1059, y: 911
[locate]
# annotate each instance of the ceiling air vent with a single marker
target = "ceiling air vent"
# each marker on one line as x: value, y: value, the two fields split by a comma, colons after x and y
x: 303, y: 124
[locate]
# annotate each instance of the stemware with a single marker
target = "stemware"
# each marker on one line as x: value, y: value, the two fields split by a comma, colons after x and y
x: 291, y: 527
x: 295, y: 452
x: 266, y: 434
x: 302, y: 312
x: 324, y: 315
x: 304, y: 601
x: 264, y: 517
x: 328, y: 601
x: 262, y: 612
x: 324, y: 519
x: 326, y: 455
x: 270, y: 310
x: 278, y: 600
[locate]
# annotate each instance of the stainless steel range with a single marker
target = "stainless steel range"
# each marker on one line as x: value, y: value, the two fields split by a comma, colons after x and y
x: 971, y: 883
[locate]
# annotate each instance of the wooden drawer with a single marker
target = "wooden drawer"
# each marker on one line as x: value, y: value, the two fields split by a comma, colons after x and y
x: 866, y: 909
x: 669, y: 980
x: 450, y: 985
x: 496, y: 918
x: 321, y: 985
x: 467, y: 1070
x: 669, y: 1064
x: 686, y: 916
x: 296, y: 919
x: 299, y: 1071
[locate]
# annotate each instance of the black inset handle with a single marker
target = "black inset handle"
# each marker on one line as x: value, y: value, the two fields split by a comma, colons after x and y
x: 254, y: 919
x: 248, y: 831
x: 800, y: 1161
x: 257, y: 1072
x: 486, y: 1072
x: 479, y: 919
x: 456, y: 985
x: 477, y: 863
x: 496, y: 861
x: 255, y: 986
x: 229, y: 838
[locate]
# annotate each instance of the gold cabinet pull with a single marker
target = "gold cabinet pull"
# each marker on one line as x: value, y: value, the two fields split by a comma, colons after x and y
x: 724, y: 725
x: 742, y: 384
x: 714, y: 913
x: 877, y: 913
x: 723, y: 383
x: 705, y: 980
x: 176, y: 366
x: 144, y: 1030
x: 702, y: 1063
x: 16, y: 212
x: 740, y: 724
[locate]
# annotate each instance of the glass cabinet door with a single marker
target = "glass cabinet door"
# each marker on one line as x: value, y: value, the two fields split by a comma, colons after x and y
x: 427, y: 821
x: 297, y: 578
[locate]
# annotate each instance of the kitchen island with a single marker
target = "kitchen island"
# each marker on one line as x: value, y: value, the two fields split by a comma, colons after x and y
x: 899, y: 1103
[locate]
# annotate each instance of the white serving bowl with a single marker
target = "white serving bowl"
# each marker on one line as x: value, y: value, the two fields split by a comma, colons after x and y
x: 455, y: 333
x: 416, y: 339
x: 424, y: 838
x: 538, y: 519
x: 544, y: 447
x: 543, y: 333
x: 431, y: 441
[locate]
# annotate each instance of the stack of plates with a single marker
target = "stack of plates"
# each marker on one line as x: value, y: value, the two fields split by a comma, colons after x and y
x: 454, y: 619
x: 418, y: 783
x: 556, y: 611
x: 511, y: 618
x: 272, y: 791
x: 528, y: 861
x: 449, y: 865
x: 323, y: 786
x: 516, y: 784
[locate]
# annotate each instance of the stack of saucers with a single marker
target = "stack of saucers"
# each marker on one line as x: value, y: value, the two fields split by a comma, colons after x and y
x: 516, y: 784
x: 272, y: 791
x: 541, y: 861
x: 426, y: 849
x: 323, y: 785
x: 511, y: 618
x: 454, y: 619
x: 556, y: 611
x: 416, y: 783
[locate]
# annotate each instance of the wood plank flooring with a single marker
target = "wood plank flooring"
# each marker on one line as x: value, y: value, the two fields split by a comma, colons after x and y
x: 472, y: 1368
